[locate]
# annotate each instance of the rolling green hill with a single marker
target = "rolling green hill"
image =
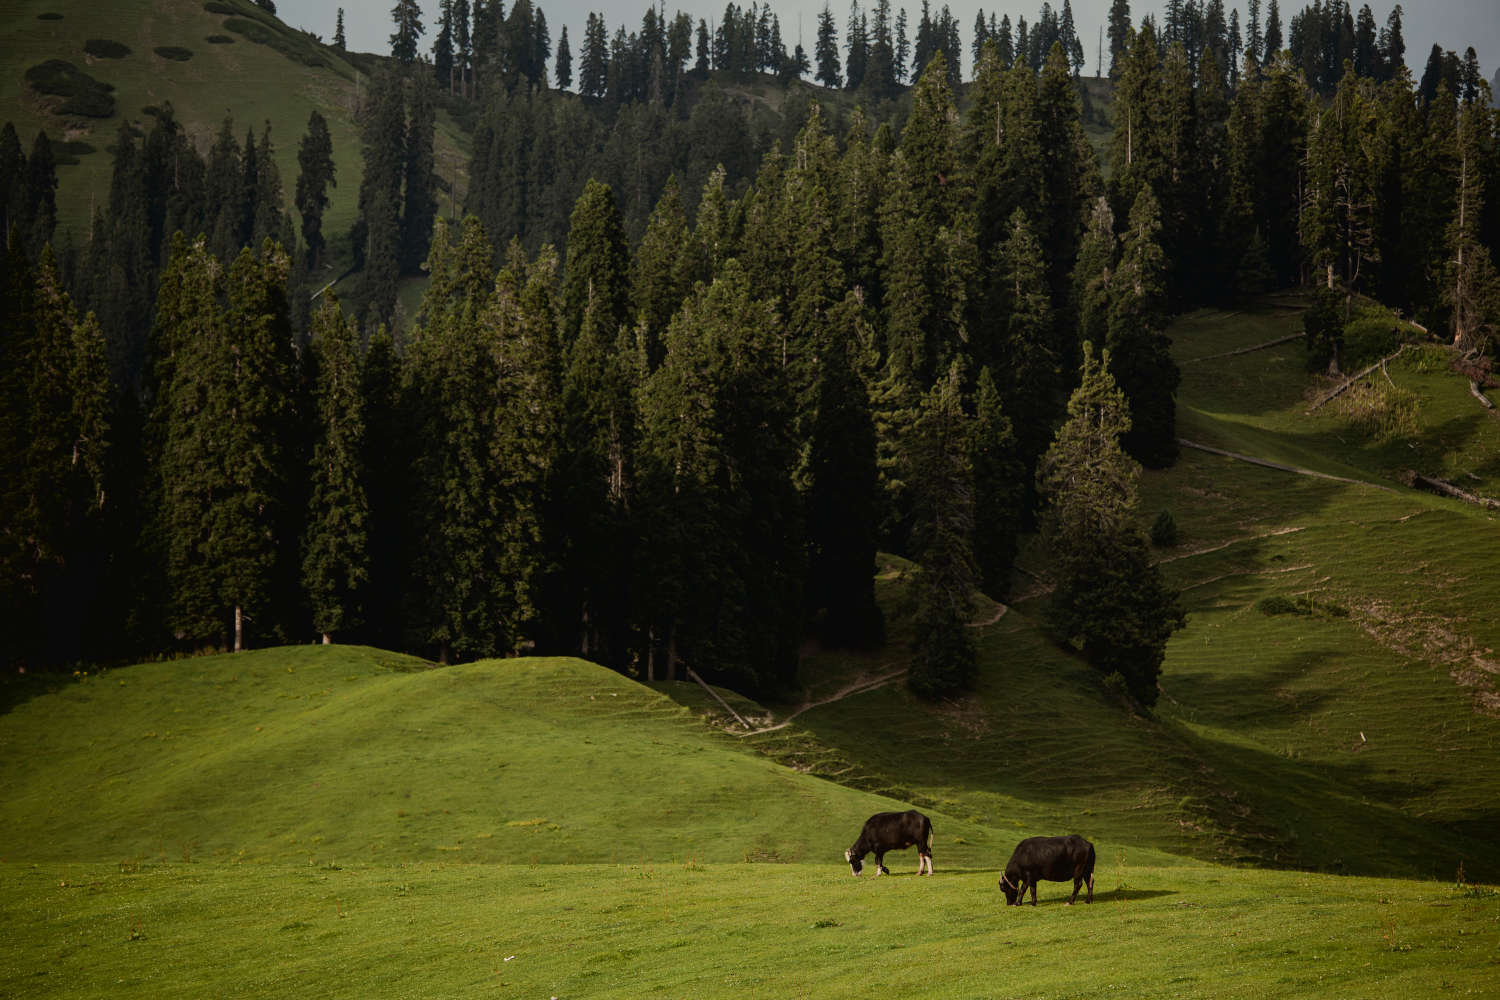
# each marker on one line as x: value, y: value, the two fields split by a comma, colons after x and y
x: 255, y: 69
x: 341, y: 753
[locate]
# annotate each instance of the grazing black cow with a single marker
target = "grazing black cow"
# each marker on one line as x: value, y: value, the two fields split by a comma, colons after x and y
x: 892, y: 832
x: 1055, y: 859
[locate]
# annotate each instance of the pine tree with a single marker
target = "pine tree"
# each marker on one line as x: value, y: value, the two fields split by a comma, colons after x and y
x: 827, y: 51
x: 420, y: 202
x: 442, y: 47
x: 1272, y: 39
x: 1029, y: 376
x: 336, y: 561
x: 12, y: 181
x: 315, y: 158
x: 224, y: 193
x: 1065, y: 158
x: 589, y: 526
x: 938, y: 459
x: 479, y: 395
x: 722, y: 523
x: 220, y: 427
x: 999, y: 481
x: 41, y: 196
x: 1135, y: 151
x: 597, y: 273
x: 1002, y: 147
x: 661, y: 275
x: 1110, y: 603
x: 386, y: 458
x: 271, y: 222
x: 1093, y: 276
x: 407, y: 16
x: 383, y: 140
x: 1471, y: 285
x: 1119, y: 36
x: 857, y: 44
x: 339, y: 41
x: 840, y: 497
x: 564, y: 68
x: 252, y: 528
x: 56, y: 436
x: 1140, y: 352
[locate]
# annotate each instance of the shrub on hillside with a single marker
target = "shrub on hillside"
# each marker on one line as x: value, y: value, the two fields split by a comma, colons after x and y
x: 294, y: 48
x: 173, y: 52
x: 85, y: 95
x: 219, y: 40
x: 1164, y: 530
x: 1381, y: 410
x: 1278, y: 604
x: 1323, y: 331
x: 49, y: 16
x: 105, y: 48
x: 66, y: 154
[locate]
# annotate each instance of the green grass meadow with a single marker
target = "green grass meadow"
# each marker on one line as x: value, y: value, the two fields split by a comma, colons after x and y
x: 729, y: 930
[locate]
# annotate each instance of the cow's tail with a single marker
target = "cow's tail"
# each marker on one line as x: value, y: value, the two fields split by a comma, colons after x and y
x: 929, y: 836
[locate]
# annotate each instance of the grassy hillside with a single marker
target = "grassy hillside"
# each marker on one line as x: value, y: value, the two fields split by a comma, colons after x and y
x: 333, y: 754
x: 354, y: 823
x: 1356, y: 730
x: 257, y: 70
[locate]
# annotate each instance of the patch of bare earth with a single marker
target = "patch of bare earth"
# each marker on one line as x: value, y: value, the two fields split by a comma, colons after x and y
x: 1436, y: 639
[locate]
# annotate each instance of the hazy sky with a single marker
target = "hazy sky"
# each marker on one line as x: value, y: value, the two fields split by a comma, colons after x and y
x: 1453, y: 24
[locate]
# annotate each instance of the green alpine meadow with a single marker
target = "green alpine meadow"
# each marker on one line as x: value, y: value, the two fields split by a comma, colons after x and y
x: 918, y: 502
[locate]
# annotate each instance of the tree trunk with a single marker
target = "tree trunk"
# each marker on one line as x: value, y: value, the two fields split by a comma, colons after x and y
x: 239, y: 628
x: 327, y: 639
x: 443, y: 652
x: 672, y: 652
x: 651, y: 653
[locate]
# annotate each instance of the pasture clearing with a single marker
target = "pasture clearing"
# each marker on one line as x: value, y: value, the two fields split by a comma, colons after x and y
x: 730, y: 930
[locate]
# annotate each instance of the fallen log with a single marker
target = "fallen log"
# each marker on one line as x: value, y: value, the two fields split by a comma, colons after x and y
x: 1247, y: 350
x: 1478, y: 394
x: 1448, y: 489
x: 1355, y: 378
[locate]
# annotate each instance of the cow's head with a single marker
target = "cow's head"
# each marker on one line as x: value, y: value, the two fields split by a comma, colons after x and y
x: 856, y: 864
x: 1010, y: 885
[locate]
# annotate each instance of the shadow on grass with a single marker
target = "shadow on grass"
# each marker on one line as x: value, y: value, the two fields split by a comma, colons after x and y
x: 1112, y: 896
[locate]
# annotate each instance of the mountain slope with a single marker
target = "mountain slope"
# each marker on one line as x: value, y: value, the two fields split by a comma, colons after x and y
x: 257, y: 71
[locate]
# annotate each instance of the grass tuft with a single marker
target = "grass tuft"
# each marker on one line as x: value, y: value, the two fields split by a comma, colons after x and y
x: 104, y: 48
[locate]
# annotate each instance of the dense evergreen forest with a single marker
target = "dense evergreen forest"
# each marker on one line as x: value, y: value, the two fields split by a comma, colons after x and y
x: 682, y: 367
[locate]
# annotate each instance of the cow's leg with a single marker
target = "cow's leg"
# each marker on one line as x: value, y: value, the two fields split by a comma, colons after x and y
x: 1090, y: 897
x: 924, y: 863
x: 1033, y: 890
x: 880, y: 868
x: 1077, y: 884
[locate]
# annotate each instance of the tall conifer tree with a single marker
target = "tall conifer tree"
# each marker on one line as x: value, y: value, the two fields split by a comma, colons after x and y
x: 938, y: 455
x: 335, y: 561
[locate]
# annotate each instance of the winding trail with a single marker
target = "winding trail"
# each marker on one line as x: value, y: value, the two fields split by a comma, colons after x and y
x: 860, y: 685
x: 1266, y: 463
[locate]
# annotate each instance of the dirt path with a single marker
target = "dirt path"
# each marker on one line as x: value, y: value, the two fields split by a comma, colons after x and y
x: 860, y: 685
x: 1283, y: 468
